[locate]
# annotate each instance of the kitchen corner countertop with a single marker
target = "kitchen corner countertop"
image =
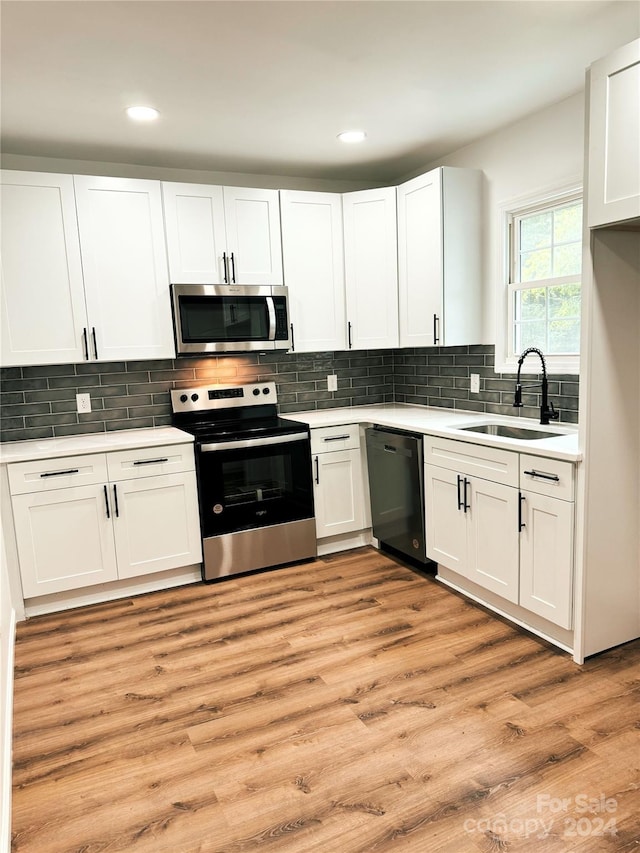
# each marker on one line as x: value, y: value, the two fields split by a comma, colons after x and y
x: 448, y: 423
x: 102, y: 442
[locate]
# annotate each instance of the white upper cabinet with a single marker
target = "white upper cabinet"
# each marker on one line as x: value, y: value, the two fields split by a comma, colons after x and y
x: 125, y: 269
x: 44, y: 318
x: 312, y: 249
x: 194, y: 224
x: 439, y: 258
x: 222, y: 235
x: 371, y: 268
x: 84, y: 270
x: 614, y: 137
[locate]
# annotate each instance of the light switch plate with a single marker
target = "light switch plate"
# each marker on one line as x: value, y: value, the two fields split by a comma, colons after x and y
x: 332, y: 382
x: 475, y: 383
x: 83, y: 403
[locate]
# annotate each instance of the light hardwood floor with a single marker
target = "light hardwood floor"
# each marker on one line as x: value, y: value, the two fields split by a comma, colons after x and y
x: 347, y: 705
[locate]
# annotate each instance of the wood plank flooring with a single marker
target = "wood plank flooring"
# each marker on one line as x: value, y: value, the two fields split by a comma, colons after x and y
x: 347, y: 705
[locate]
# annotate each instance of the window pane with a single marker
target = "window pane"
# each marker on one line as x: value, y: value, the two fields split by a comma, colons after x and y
x: 567, y: 260
x: 535, y: 231
x: 564, y: 301
x: 567, y: 224
x: 535, y: 265
x: 564, y: 336
x: 531, y: 304
x: 530, y: 335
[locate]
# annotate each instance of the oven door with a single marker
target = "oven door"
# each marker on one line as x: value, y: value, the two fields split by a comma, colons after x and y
x: 229, y: 318
x: 254, y: 483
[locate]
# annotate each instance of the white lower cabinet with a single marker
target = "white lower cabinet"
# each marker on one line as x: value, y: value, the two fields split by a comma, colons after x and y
x: 338, y: 480
x: 73, y: 536
x: 511, y: 535
x: 471, y: 529
x: 65, y: 539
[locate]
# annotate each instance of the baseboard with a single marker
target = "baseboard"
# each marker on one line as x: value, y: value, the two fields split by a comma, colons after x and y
x: 8, y: 647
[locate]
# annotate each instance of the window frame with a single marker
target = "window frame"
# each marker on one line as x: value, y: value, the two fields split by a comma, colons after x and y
x: 506, y: 358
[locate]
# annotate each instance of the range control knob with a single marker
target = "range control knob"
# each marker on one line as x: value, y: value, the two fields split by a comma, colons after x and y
x: 266, y: 390
x: 194, y: 397
x: 256, y: 391
x: 183, y: 398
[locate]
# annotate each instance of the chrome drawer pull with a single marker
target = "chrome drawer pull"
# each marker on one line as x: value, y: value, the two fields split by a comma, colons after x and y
x: 553, y: 477
x: 60, y: 473
x: 149, y: 461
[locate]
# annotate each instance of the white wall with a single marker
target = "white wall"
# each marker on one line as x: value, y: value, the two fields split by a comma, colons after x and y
x: 7, y: 635
x: 28, y: 163
x: 539, y: 152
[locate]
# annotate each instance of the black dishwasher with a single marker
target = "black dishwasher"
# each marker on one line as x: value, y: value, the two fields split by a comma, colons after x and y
x: 394, y: 461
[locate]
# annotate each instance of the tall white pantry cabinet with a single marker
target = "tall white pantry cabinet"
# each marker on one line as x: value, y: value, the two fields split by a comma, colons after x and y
x: 608, y: 566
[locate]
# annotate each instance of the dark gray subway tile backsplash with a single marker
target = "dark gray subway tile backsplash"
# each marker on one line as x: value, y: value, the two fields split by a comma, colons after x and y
x: 40, y: 402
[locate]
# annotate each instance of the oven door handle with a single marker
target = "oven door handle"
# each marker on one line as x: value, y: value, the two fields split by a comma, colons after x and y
x: 271, y: 308
x: 253, y: 442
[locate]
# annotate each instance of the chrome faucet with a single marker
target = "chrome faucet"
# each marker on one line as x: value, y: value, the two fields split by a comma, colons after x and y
x: 547, y: 412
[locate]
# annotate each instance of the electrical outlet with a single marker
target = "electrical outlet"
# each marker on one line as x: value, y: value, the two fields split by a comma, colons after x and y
x: 83, y: 403
x: 475, y: 383
x: 332, y: 382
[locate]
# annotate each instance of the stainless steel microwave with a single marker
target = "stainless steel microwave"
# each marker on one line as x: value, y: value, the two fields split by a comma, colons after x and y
x: 210, y: 318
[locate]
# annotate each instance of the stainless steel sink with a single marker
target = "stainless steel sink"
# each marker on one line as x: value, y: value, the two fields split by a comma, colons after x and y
x: 506, y: 431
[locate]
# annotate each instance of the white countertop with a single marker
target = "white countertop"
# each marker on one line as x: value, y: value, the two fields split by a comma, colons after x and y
x: 102, y: 442
x: 448, y: 423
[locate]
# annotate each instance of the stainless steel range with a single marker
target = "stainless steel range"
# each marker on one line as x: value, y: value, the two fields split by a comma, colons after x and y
x: 255, y: 485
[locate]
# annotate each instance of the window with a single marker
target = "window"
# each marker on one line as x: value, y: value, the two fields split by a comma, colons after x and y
x: 544, y: 253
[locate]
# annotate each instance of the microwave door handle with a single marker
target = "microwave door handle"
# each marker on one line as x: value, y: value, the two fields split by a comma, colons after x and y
x: 271, y: 308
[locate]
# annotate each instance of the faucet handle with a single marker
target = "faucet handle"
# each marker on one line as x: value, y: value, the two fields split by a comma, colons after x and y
x: 517, y: 397
x: 551, y: 413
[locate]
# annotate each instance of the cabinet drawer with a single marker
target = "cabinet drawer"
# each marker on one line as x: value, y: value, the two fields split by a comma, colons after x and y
x: 42, y: 475
x: 552, y: 477
x: 490, y: 463
x: 325, y: 439
x: 149, y: 461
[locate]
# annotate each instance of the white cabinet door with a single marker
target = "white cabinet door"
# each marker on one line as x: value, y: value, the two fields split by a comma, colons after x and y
x: 156, y: 524
x: 252, y: 219
x: 313, y: 257
x: 195, y: 229
x: 125, y: 268
x: 338, y: 492
x: 420, y: 260
x: 546, y: 557
x: 614, y: 134
x: 371, y: 268
x: 43, y: 309
x: 65, y: 539
x: 492, y: 519
x: 439, y: 258
x: 446, y: 522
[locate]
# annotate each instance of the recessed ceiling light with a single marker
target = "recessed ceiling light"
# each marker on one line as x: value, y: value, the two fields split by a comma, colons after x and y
x: 352, y: 136
x: 142, y: 113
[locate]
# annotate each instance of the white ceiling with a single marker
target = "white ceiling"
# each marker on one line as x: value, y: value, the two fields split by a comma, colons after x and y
x: 264, y: 87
